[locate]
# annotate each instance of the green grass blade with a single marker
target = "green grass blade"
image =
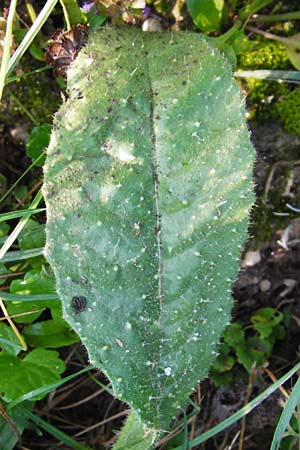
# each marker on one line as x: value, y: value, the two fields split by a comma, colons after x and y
x: 27, y: 74
x: 294, y: 15
x: 252, y: 8
x: 93, y: 378
x: 277, y: 75
x: 27, y: 298
x: 48, y: 387
x: 243, y: 411
x: 23, y: 108
x: 13, y: 236
x: 7, y: 44
x: 286, y: 416
x: 19, y: 255
x: 185, y: 445
x: 67, y: 440
x: 31, y: 34
x: 72, y: 12
x: 21, y: 177
x: 17, y: 214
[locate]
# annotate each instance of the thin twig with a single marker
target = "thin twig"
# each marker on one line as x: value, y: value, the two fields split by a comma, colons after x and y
x: 28, y: 195
x: 13, y: 326
x: 102, y: 422
x: 80, y: 402
x: 274, y: 379
x: 247, y: 400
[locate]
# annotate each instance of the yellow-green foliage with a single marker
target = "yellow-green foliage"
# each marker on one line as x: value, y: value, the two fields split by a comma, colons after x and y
x: 264, y: 55
x: 289, y: 111
x: 263, y: 94
x: 269, y: 99
x: 37, y: 95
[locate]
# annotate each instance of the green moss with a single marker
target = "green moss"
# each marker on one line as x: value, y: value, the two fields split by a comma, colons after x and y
x: 35, y: 96
x: 262, y: 96
x: 289, y: 111
x: 264, y: 55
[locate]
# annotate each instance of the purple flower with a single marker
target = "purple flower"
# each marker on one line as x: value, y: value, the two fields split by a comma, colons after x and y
x: 146, y: 12
x: 88, y: 6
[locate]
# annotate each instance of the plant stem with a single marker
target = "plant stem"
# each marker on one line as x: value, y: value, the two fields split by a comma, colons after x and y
x: 295, y: 15
x: 291, y: 41
x: 23, y: 108
x: 7, y: 44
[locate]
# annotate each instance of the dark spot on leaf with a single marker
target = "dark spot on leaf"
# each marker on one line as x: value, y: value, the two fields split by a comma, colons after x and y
x: 78, y: 304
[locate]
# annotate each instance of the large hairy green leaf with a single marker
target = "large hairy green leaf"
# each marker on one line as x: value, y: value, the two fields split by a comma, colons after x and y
x: 148, y: 187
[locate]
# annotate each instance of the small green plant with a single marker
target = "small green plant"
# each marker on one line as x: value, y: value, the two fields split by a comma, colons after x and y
x: 28, y: 362
x: 247, y: 346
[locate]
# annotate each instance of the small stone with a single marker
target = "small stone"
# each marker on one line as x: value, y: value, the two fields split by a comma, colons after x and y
x: 152, y: 24
x: 251, y: 258
x: 265, y: 285
x: 168, y: 371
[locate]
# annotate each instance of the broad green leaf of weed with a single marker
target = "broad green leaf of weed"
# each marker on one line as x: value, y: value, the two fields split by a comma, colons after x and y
x: 135, y: 435
x: 34, y: 282
x: 239, y: 42
x: 265, y: 319
x: 8, y: 437
x: 95, y: 21
x: 36, y: 51
x: 21, y: 191
x: 234, y: 334
x: 37, y: 142
x: 221, y: 378
x: 228, y: 52
x: 206, y: 14
x: 294, y: 56
x: 144, y: 314
x: 224, y: 363
x: 3, y: 270
x: 3, y: 184
x: 9, y: 343
x: 33, y: 236
x: 38, y: 368
x: 264, y: 345
x: 279, y: 332
x: 248, y: 356
x: 72, y: 12
x: 4, y: 229
x: 50, y: 333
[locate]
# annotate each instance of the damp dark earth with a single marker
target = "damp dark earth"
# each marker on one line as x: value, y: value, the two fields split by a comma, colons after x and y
x: 53, y: 393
